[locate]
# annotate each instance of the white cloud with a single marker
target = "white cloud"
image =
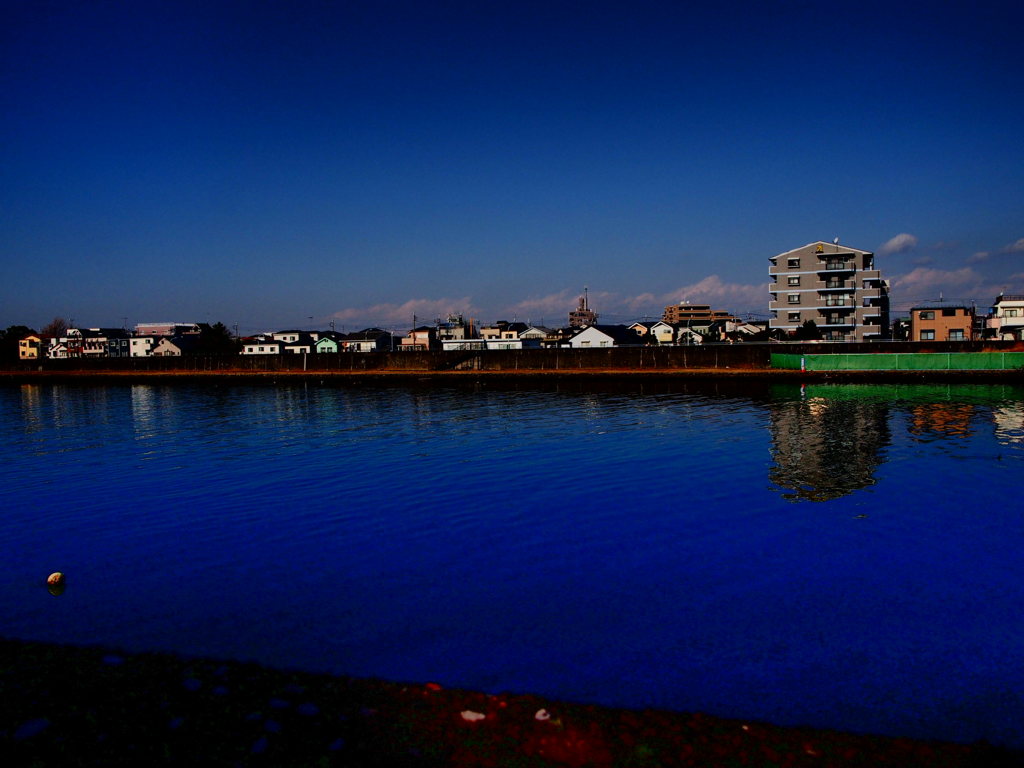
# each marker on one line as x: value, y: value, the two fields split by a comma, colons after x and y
x: 401, y: 315
x: 1017, y: 247
x: 975, y: 258
x: 901, y: 243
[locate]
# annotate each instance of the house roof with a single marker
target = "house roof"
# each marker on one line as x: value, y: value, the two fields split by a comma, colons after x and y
x: 257, y: 340
x: 183, y: 343
x: 940, y: 305
x: 367, y: 334
x: 620, y: 334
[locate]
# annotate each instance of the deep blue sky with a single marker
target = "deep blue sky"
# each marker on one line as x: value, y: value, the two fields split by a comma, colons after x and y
x: 279, y: 164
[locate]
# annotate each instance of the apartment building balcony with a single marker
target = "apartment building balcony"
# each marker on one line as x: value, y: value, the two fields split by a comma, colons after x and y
x: 838, y: 266
x: 836, y: 324
x: 840, y: 302
x: 837, y: 285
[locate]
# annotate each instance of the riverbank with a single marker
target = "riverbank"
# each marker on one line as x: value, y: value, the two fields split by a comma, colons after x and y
x: 70, y: 706
x: 523, y: 375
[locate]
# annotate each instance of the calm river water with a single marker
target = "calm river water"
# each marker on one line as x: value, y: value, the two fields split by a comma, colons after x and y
x: 838, y: 556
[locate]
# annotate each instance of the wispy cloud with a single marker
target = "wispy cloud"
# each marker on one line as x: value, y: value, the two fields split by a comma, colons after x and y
x: 553, y: 308
x: 901, y: 243
x: 928, y: 284
x: 615, y: 307
x: 977, y: 258
x: 1017, y: 247
x: 925, y: 277
x: 425, y: 310
x: 735, y: 296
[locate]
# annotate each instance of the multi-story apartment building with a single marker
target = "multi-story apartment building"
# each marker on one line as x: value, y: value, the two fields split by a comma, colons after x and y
x: 835, y: 286
x: 1007, y: 318
x: 685, y: 313
x: 942, y: 322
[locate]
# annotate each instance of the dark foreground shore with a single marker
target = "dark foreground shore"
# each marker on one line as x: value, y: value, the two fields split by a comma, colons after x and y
x: 67, y: 706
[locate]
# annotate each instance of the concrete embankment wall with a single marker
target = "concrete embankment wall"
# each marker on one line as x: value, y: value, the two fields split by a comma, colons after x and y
x: 708, y: 356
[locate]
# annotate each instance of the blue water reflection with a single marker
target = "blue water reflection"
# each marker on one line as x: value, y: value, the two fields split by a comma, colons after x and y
x: 837, y: 556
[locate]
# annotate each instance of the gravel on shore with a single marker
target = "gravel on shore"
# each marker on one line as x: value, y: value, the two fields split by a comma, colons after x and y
x: 73, y: 706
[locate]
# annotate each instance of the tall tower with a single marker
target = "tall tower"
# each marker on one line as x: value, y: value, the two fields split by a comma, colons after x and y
x: 582, y: 316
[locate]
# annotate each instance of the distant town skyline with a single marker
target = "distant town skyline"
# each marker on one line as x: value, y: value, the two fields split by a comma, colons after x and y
x: 286, y: 165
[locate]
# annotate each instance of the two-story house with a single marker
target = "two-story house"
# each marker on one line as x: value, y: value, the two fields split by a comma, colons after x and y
x: 1007, y: 318
x: 941, y: 322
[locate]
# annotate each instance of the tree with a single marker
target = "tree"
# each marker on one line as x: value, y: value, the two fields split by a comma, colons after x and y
x: 216, y: 339
x: 9, y: 341
x: 807, y: 332
x: 56, y: 328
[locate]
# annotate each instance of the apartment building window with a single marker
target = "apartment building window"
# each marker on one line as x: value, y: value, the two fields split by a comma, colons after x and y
x: 793, y: 280
x: 927, y: 314
x: 794, y: 298
x: 927, y: 335
x: 1011, y: 313
x: 793, y: 263
x: 949, y: 313
x: 957, y: 334
x: 794, y: 317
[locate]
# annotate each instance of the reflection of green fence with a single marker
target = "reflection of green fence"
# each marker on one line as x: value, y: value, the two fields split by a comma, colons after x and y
x: 912, y: 361
x: 976, y: 394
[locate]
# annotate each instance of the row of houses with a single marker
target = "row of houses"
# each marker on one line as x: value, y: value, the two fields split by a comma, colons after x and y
x: 949, y: 321
x: 453, y: 334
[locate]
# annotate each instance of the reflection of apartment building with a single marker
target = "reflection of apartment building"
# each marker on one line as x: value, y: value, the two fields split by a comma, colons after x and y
x: 942, y: 322
x: 943, y: 419
x: 1009, y: 421
x: 1007, y: 318
x: 823, y: 449
x: 835, y: 286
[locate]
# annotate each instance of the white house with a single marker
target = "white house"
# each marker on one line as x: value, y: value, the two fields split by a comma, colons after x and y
x: 261, y: 345
x: 367, y: 340
x: 603, y: 336
x: 1007, y: 318
x: 142, y: 346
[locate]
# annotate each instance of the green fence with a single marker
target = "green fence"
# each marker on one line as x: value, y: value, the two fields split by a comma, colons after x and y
x: 912, y: 361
